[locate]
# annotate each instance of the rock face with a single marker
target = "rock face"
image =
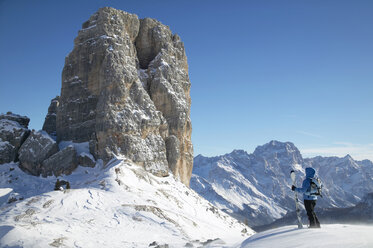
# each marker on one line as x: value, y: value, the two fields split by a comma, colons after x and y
x: 86, y: 160
x: 13, y: 132
x: 37, y: 148
x: 50, y: 120
x: 62, y: 162
x: 7, y: 152
x: 126, y: 90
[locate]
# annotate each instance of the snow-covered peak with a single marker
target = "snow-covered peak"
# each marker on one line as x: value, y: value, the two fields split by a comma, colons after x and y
x: 239, y: 152
x: 248, y: 185
x: 277, y: 149
x: 256, y: 187
x: 201, y: 159
x: 348, y: 156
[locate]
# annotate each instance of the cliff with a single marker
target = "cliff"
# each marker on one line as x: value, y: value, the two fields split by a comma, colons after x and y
x: 126, y: 91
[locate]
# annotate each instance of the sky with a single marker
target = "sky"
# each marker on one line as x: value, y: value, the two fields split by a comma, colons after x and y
x: 261, y: 70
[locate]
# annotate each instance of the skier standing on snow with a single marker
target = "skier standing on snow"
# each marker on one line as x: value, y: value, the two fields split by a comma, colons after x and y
x: 309, y: 197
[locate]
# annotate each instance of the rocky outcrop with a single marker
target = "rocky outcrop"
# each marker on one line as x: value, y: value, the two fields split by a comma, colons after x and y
x: 86, y: 160
x: 7, y: 152
x: 126, y: 90
x: 50, y: 120
x: 62, y: 162
x: 38, y: 153
x: 21, y: 120
x: 38, y: 147
x: 13, y: 132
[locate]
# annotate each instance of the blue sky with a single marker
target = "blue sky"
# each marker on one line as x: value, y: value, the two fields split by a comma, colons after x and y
x: 298, y: 71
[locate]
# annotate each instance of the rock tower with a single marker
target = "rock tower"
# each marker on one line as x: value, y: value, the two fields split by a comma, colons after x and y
x: 126, y: 91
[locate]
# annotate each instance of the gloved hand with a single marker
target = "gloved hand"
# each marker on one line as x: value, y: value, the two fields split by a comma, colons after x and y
x: 293, y: 187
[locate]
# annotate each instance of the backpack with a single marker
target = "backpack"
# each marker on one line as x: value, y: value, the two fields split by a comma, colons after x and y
x: 315, y: 187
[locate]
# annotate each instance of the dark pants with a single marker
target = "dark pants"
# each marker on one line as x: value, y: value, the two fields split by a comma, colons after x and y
x: 310, y: 206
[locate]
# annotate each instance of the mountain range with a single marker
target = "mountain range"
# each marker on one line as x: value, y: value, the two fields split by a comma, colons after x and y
x: 361, y: 213
x: 255, y: 188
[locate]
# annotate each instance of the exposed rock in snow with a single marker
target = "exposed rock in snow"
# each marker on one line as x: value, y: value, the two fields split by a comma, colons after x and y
x: 38, y: 152
x: 7, y: 152
x: 38, y: 147
x: 86, y: 159
x: 13, y: 132
x: 62, y: 162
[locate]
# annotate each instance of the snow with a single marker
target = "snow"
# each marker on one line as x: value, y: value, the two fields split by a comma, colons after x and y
x: 90, y: 156
x: 3, y: 144
x: 329, y: 236
x: 121, y: 205
x: 9, y: 125
x: 4, y: 194
x: 106, y: 37
x: 230, y: 185
x: 93, y: 26
x: 117, y: 205
x: 80, y: 148
x: 45, y: 135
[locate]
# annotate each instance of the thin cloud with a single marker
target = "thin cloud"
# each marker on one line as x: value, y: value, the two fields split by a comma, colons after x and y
x: 341, y: 149
x: 346, y: 144
x: 309, y: 134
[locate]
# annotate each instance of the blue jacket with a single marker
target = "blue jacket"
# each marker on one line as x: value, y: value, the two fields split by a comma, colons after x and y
x: 310, y: 173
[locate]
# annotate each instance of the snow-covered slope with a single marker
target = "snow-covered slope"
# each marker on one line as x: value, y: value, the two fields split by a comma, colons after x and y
x: 329, y: 236
x: 256, y: 187
x: 120, y: 205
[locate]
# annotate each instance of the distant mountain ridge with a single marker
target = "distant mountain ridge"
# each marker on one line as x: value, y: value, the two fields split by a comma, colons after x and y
x: 361, y: 213
x: 255, y: 188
